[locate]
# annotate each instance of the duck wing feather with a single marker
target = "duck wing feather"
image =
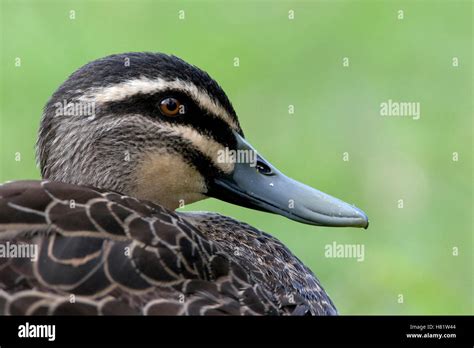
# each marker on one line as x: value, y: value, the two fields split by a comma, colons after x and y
x: 101, y: 252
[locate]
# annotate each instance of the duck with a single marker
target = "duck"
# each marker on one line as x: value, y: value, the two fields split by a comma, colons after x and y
x: 123, y: 143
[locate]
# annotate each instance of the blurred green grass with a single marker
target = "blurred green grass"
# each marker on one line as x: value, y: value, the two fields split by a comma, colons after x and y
x: 407, y: 251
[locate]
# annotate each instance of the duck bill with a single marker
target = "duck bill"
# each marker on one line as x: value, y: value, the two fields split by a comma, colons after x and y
x: 256, y: 184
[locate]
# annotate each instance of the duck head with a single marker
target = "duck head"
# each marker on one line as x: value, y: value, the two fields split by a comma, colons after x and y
x: 157, y: 128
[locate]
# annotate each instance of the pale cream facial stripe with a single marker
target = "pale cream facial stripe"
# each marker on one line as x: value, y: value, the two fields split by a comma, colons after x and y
x: 145, y: 85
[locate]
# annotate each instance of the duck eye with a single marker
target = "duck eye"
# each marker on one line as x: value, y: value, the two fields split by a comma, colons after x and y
x: 171, y: 107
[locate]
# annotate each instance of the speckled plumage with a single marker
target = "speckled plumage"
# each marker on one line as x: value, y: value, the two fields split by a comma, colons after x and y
x: 177, y: 263
x: 104, y: 251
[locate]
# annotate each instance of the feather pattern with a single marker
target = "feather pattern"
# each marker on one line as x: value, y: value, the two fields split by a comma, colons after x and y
x: 102, y: 252
x: 102, y: 222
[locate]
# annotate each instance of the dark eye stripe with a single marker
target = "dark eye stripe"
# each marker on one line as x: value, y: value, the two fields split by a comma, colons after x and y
x: 201, y: 162
x: 199, y: 119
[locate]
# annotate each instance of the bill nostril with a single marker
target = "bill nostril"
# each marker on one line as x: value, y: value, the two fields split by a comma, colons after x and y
x: 263, y: 168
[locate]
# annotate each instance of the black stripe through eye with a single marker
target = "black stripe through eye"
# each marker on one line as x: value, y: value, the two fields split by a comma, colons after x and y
x: 200, y: 119
x: 191, y: 155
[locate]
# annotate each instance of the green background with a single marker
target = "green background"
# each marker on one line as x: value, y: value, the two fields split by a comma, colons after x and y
x: 408, y: 251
